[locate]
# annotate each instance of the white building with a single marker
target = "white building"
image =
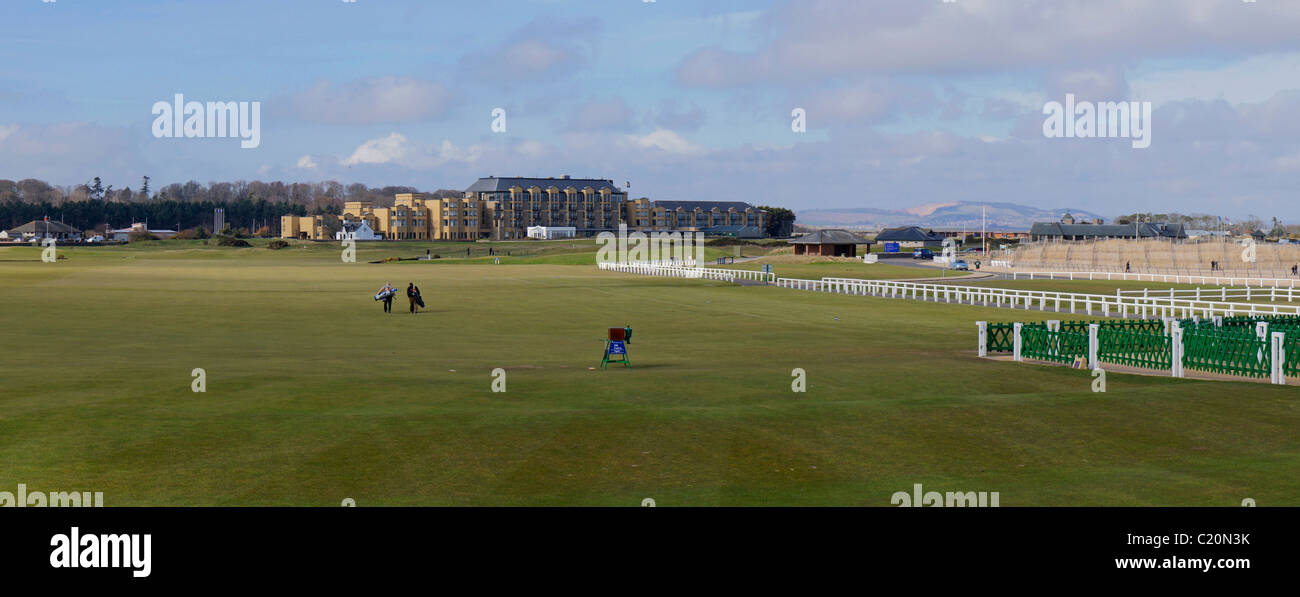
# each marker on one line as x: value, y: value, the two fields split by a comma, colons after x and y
x: 552, y: 232
x: 356, y: 231
x: 124, y: 234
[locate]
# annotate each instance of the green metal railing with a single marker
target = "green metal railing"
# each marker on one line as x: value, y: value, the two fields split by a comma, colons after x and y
x: 1230, y: 348
x: 1134, y: 348
x: 1051, y: 345
x: 1227, y: 354
x: 1291, y: 366
x: 1001, y: 337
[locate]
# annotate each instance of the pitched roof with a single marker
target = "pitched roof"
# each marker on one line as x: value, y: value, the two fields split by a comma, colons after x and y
x: 40, y: 227
x: 493, y: 184
x: 907, y: 234
x: 704, y: 205
x: 830, y: 236
x: 1144, y: 230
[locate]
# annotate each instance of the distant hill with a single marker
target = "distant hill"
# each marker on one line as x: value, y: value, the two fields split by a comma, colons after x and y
x: 950, y: 214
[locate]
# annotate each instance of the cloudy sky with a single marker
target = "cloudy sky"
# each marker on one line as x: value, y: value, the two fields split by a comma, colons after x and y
x: 906, y: 101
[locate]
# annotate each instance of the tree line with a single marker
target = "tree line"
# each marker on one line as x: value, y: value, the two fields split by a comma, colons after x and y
x: 249, y: 205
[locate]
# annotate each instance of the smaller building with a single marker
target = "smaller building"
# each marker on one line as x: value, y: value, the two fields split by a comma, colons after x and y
x: 910, y: 236
x: 734, y: 231
x: 320, y: 227
x: 359, y: 230
x: 124, y: 234
x: 829, y: 242
x: 41, y: 229
x: 552, y: 232
x: 1141, y: 230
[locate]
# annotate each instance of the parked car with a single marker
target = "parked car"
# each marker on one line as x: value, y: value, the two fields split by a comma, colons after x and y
x: 922, y: 254
x: 960, y: 265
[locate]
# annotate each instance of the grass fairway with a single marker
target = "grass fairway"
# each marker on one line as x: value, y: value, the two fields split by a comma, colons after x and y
x: 315, y: 395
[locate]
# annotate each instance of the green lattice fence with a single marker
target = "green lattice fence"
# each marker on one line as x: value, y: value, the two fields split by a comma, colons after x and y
x: 1134, y: 348
x: 1001, y: 337
x: 1226, y: 353
x: 1291, y: 366
x: 1050, y: 345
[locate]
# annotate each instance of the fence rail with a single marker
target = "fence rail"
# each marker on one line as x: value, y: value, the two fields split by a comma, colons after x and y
x: 1171, y: 278
x: 678, y: 271
x: 1223, y: 293
x: 1117, y: 305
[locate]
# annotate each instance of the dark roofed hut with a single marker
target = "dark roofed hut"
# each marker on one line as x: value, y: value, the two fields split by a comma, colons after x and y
x: 829, y: 243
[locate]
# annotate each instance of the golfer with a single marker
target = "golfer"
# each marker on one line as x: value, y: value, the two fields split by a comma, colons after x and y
x: 411, y: 293
x: 388, y: 299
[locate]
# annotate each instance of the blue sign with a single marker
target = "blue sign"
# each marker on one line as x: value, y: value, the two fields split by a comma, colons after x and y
x: 891, y: 247
x: 617, y: 347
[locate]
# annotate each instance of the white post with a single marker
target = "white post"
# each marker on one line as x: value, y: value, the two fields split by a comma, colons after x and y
x: 1261, y: 332
x: 1279, y: 358
x: 1015, y: 343
x: 1093, y: 346
x: 984, y: 337
x: 1176, y: 346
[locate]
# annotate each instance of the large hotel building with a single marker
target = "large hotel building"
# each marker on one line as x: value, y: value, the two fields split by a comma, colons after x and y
x: 504, y: 208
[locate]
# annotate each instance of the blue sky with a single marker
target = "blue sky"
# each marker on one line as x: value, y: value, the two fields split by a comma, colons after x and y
x: 908, y: 101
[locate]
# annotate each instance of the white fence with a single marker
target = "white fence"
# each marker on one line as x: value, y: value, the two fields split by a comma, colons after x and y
x: 1116, y: 305
x: 677, y: 271
x: 1171, y: 278
x: 1044, y: 300
x: 1223, y: 293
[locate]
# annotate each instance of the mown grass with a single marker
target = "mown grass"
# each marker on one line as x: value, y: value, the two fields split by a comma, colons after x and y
x: 315, y: 395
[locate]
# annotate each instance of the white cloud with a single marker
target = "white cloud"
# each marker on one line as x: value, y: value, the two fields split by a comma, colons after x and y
x: 819, y: 39
x: 665, y: 140
x: 544, y: 50
x: 398, y: 150
x: 602, y: 115
x: 306, y: 162
x: 372, y: 100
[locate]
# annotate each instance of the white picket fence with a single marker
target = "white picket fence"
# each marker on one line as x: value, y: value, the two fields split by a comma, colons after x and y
x: 1116, y: 305
x: 677, y: 271
x: 1044, y: 300
x: 1170, y: 278
x: 1223, y: 293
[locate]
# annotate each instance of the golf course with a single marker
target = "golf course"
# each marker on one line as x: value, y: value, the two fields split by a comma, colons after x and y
x: 313, y: 395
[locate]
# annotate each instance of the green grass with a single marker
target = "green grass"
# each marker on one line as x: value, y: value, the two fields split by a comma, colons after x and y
x: 314, y: 395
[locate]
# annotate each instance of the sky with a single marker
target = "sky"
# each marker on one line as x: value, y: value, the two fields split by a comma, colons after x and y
x: 904, y: 102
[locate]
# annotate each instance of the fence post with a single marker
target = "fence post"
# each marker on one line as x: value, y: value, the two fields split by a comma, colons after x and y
x: 984, y: 337
x: 1093, y: 346
x: 1279, y: 358
x: 1015, y: 342
x: 1261, y: 332
x: 1176, y: 351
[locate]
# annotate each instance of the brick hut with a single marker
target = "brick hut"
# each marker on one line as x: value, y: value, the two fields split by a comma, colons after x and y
x: 830, y: 242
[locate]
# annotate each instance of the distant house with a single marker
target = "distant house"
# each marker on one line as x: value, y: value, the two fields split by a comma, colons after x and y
x: 124, y: 234
x: 734, y: 231
x: 910, y: 236
x: 830, y: 242
x: 41, y: 229
x: 358, y: 230
x: 1199, y: 234
x: 1066, y: 229
x: 551, y: 232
